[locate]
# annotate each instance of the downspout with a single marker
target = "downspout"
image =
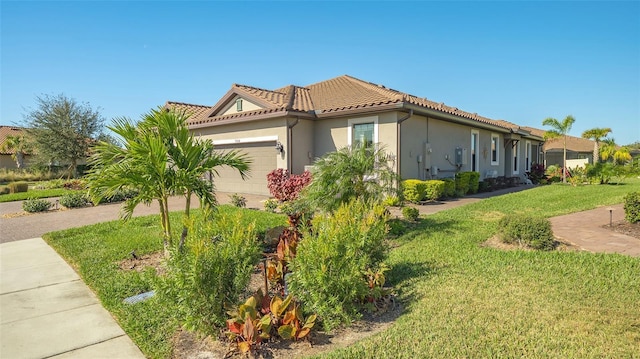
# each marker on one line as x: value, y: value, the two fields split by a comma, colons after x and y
x: 399, y: 137
x: 290, y: 144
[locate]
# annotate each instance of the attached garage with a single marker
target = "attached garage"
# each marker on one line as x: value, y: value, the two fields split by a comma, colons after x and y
x: 263, y: 158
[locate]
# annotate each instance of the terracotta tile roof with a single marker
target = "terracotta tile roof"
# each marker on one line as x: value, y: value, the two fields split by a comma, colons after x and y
x: 6, y: 131
x: 340, y: 94
x: 190, y: 109
x: 575, y: 144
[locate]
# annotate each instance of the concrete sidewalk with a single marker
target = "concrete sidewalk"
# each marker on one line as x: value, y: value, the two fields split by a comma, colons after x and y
x: 46, y: 311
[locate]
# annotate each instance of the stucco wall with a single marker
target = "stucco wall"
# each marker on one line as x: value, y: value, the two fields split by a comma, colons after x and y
x: 246, y: 106
x: 303, y: 140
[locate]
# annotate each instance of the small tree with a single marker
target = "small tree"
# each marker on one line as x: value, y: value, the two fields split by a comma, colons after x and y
x: 614, y: 153
x: 63, y: 129
x: 358, y: 172
x: 560, y: 129
x: 19, y: 146
x: 596, y: 134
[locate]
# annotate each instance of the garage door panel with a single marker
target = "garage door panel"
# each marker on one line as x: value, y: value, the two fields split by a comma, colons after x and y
x: 263, y: 158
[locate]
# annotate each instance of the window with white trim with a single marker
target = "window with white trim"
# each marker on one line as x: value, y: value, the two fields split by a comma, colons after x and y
x: 362, y: 131
x: 239, y: 105
x: 495, y: 149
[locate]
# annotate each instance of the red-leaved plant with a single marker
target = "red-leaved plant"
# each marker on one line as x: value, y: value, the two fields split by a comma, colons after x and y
x: 285, y: 186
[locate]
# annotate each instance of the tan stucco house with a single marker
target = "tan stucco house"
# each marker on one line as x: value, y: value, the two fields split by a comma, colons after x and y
x: 578, y: 148
x: 6, y: 155
x: 291, y: 126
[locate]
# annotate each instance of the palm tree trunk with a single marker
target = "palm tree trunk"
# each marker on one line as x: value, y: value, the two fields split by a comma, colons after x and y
x: 166, y: 224
x: 596, y: 152
x: 185, y: 230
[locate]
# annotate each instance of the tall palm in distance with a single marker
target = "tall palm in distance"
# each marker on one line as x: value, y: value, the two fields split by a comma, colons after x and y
x: 560, y: 129
x: 597, y: 135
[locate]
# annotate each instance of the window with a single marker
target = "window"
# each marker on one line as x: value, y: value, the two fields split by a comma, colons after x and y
x: 527, y: 156
x: 495, y: 151
x: 363, y: 134
x: 362, y: 130
x: 474, y: 150
x: 239, y: 105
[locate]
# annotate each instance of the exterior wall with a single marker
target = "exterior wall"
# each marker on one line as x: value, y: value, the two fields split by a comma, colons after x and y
x: 7, y: 162
x: 248, y: 131
x: 303, y: 145
x: 555, y: 157
x: 246, y: 106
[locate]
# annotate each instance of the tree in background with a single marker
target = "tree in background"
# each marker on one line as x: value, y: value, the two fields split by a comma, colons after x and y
x: 596, y: 134
x: 19, y: 146
x: 63, y: 130
x: 560, y: 129
x: 614, y: 153
x: 159, y: 158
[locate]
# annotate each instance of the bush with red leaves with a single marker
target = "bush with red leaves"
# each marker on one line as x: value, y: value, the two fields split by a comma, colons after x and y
x: 285, y: 186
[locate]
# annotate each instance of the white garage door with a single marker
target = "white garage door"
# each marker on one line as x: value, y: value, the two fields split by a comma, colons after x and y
x: 263, y: 158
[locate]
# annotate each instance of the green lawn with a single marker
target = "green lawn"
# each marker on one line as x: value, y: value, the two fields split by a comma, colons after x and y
x: 460, y: 299
x: 34, y: 193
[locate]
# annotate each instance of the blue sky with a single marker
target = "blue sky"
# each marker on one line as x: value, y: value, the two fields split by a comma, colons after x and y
x: 517, y: 61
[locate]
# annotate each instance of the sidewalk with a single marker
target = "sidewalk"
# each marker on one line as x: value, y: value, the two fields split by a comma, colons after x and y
x: 46, y: 311
x: 585, y: 230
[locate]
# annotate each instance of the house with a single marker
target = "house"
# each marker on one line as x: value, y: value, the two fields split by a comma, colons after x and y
x: 578, y: 148
x: 290, y: 127
x: 6, y: 155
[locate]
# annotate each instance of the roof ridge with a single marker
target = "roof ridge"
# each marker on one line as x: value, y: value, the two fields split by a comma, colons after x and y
x: 258, y: 88
x: 186, y: 103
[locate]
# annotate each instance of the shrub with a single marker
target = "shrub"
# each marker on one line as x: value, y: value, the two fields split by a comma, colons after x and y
x: 212, y: 270
x: 238, y: 200
x: 474, y: 182
x: 271, y: 205
x: 462, y: 183
x: 483, y: 186
x: 4, y: 190
x: 36, y: 205
x: 449, y: 187
x: 632, y: 207
x: 527, y: 230
x: 75, y: 184
x: 74, y: 200
x: 328, y: 270
x: 414, y: 190
x: 17, y: 187
x: 434, y: 189
x: 285, y: 186
x: 537, y: 173
x: 410, y: 213
x: 120, y: 195
x: 392, y: 201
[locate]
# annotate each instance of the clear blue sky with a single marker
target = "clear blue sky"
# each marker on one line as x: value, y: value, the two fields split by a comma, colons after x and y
x: 517, y: 61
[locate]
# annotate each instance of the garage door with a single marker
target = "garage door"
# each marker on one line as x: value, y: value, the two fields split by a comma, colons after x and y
x: 263, y: 160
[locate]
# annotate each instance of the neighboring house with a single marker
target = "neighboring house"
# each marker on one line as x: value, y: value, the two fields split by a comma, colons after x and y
x: 6, y: 159
x: 291, y: 126
x: 577, y: 148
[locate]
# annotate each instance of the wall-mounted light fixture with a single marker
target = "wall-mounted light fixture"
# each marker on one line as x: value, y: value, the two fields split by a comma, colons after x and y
x: 279, y: 147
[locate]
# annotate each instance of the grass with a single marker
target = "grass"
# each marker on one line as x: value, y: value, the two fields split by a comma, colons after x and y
x: 460, y: 299
x: 33, y: 193
x: 94, y: 251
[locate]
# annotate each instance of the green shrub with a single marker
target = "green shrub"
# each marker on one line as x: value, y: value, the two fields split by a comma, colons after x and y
x: 4, y: 190
x: 414, y: 190
x: 212, y: 270
x: 36, y: 205
x: 632, y: 207
x: 328, y: 269
x: 462, y: 183
x: 449, y: 187
x: 410, y: 213
x: 120, y: 195
x: 434, y: 189
x: 238, y: 200
x: 271, y: 204
x: 534, y: 232
x: 474, y: 182
x: 74, y: 199
x: 392, y: 201
x: 18, y: 187
x: 397, y: 227
x: 483, y: 186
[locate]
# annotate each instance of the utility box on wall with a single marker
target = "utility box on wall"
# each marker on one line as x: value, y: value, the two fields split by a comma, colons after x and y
x: 461, y: 156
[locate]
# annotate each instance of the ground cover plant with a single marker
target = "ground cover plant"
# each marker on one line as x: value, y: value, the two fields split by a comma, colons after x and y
x: 461, y: 299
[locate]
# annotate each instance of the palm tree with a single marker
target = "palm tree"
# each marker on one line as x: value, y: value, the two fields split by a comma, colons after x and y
x: 596, y: 134
x: 613, y: 152
x: 160, y: 158
x: 18, y: 146
x: 353, y: 172
x: 560, y: 129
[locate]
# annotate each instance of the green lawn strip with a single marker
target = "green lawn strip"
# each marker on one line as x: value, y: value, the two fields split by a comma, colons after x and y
x: 464, y: 300
x: 34, y: 193
x: 95, y: 252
